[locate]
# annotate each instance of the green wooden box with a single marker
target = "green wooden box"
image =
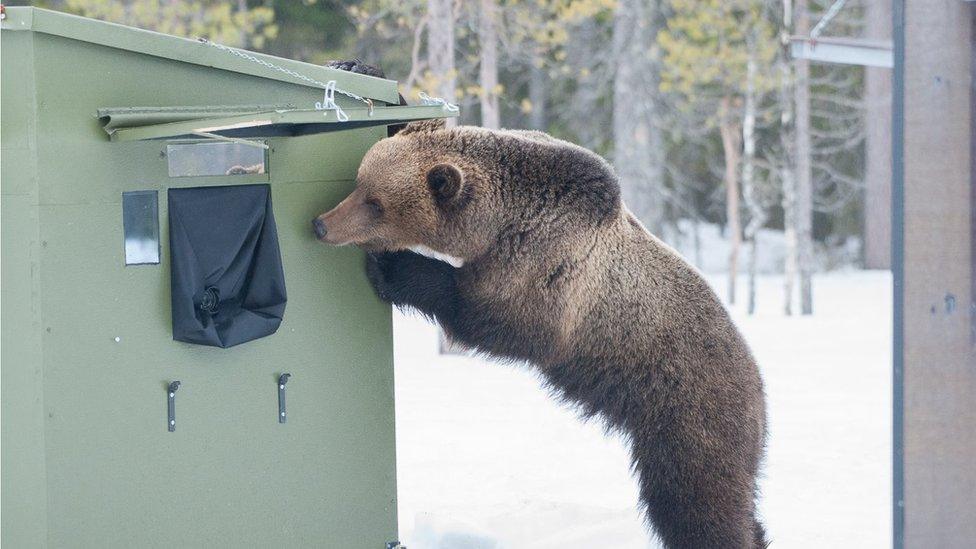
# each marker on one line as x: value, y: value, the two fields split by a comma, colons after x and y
x: 89, y: 111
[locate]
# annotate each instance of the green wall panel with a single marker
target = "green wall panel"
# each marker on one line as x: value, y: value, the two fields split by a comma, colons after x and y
x: 87, y: 342
x: 24, y: 494
x: 116, y: 477
x: 22, y: 471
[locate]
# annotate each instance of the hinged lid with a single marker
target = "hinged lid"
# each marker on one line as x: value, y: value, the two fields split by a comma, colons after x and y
x: 193, y: 52
x: 138, y: 123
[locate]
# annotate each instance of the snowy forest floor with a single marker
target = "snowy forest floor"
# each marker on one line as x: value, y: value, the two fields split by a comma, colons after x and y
x: 487, y: 460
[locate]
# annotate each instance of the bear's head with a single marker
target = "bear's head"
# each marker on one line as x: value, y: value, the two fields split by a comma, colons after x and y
x: 460, y: 192
x: 415, y: 190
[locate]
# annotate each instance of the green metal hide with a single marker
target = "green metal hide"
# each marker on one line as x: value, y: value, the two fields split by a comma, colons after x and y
x: 90, y: 111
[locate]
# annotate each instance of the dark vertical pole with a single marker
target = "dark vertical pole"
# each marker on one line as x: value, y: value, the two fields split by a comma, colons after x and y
x: 972, y: 179
x: 898, y: 274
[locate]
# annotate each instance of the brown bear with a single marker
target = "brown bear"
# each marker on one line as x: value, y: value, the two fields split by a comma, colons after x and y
x: 546, y: 265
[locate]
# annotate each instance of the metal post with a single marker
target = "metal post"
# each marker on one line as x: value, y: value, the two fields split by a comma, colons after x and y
x: 898, y: 274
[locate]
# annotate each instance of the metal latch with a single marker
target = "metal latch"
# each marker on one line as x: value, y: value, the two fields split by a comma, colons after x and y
x: 282, y: 380
x: 171, y: 405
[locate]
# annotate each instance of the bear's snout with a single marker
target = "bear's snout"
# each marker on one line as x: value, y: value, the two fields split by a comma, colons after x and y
x: 318, y: 226
x: 347, y: 223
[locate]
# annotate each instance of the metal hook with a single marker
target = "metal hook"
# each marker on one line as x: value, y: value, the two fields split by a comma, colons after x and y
x: 171, y: 405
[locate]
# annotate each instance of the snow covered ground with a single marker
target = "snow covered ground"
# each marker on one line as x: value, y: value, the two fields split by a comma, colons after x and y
x: 486, y: 460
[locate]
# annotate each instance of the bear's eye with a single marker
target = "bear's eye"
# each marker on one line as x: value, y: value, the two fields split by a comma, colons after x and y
x: 374, y: 206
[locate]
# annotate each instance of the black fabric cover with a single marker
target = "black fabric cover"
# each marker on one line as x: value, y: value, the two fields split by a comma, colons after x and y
x: 228, y: 286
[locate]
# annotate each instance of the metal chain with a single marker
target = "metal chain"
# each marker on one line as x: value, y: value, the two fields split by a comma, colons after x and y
x: 328, y: 87
x: 428, y: 100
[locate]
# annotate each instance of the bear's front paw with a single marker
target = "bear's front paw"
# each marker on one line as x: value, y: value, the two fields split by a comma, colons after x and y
x: 394, y: 276
x: 408, y: 279
x: 377, y: 265
x: 356, y: 66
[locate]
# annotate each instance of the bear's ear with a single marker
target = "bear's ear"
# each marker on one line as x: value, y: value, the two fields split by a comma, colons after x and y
x: 423, y: 126
x: 445, y: 182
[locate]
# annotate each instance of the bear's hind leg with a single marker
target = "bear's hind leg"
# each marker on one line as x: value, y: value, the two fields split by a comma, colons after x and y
x: 689, y: 510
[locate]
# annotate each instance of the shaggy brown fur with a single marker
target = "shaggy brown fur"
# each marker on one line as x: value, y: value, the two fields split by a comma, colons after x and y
x: 558, y: 273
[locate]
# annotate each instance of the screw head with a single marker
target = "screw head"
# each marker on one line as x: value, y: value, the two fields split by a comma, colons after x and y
x: 172, y: 394
x: 282, y: 414
x: 172, y: 422
x: 281, y: 386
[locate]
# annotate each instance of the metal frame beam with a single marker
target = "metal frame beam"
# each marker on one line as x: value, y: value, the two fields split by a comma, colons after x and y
x: 845, y: 51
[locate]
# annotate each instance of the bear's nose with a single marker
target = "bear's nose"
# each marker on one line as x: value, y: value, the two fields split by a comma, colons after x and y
x: 319, y: 227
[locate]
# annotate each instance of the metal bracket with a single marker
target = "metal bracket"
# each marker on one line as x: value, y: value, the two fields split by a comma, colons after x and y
x: 282, y: 380
x: 171, y: 405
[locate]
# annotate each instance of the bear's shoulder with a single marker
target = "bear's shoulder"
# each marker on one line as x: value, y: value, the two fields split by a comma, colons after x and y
x: 564, y: 174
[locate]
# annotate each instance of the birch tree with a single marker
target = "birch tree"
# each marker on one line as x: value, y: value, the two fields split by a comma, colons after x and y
x: 728, y: 125
x: 803, y: 193
x: 822, y: 133
x: 760, y: 49
x: 787, y: 164
x: 712, y: 54
x: 757, y: 211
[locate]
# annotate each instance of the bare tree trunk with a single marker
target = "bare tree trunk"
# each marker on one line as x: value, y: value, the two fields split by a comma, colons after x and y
x: 637, y: 140
x: 440, y: 48
x: 416, y: 64
x: 488, y: 71
x: 586, y: 97
x: 757, y: 214
x: 877, y: 180
x: 731, y: 141
x: 788, y: 166
x: 803, y: 217
x: 537, y: 95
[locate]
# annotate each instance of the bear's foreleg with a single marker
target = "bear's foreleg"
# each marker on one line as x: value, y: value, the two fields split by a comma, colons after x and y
x: 408, y: 279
